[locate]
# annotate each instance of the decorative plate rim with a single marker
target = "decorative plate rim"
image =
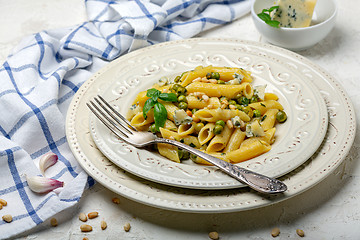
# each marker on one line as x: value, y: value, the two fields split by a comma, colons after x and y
x: 184, y: 200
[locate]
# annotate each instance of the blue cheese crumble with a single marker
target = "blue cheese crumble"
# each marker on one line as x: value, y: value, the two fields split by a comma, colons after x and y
x: 180, y: 117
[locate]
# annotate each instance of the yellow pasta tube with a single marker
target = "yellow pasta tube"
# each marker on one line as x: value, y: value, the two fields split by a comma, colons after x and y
x: 219, y: 142
x: 212, y: 115
x: 265, y: 105
x: 201, y: 161
x: 206, y: 133
x: 169, y: 151
x: 138, y: 120
x: 194, y: 102
x: 270, y: 96
x: 186, y: 129
x: 248, y: 90
x: 199, y: 71
x: 250, y: 148
x: 170, y: 108
x: 191, y: 140
x: 227, y: 73
x: 165, y: 133
x: 269, y: 136
x: 270, y: 119
x: 237, y: 137
x: 170, y: 125
x: 216, y: 90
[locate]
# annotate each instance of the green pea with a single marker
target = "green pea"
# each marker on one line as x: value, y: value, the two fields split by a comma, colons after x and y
x: 186, y: 155
x: 254, y: 99
x: 220, y: 122
x: 183, y: 105
x: 232, y: 102
x: 243, y: 101
x: 193, y: 111
x: 208, y: 75
x: 281, y: 116
x: 238, y: 106
x: 181, y: 90
x: 199, y: 126
x: 246, y: 109
x: 175, y: 87
x: 220, y: 82
x: 256, y: 113
x: 218, y: 129
x: 152, y: 128
x: 182, y: 98
x: 215, y: 75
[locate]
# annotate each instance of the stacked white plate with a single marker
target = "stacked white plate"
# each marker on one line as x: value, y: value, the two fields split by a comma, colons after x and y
x: 309, y: 146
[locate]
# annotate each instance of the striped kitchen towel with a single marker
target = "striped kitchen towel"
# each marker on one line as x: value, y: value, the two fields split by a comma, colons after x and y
x: 40, y: 77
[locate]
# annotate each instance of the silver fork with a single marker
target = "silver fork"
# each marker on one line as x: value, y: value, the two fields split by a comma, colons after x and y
x: 122, y: 128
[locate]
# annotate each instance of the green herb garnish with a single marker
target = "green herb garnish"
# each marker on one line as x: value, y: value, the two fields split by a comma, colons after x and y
x: 265, y: 16
x: 160, y: 113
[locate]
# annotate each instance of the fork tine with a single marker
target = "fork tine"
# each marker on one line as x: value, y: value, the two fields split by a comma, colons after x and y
x: 109, y: 123
x: 117, y: 113
x: 113, y: 116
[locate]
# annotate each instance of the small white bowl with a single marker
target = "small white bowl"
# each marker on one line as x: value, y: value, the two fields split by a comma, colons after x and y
x: 297, y: 39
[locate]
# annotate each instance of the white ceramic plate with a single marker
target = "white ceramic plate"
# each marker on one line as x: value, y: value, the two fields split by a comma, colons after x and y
x: 336, y: 145
x: 296, y: 140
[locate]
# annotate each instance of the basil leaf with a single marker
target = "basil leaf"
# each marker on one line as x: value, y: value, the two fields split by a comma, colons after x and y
x: 169, y: 97
x: 160, y: 115
x: 264, y: 16
x: 273, y: 8
x: 152, y: 92
x: 147, y: 106
x: 273, y: 23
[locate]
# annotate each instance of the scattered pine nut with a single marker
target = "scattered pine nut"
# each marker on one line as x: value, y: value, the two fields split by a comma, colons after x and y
x: 300, y: 232
x: 275, y: 232
x: 103, y: 225
x: 83, y: 217
x: 3, y: 202
x: 93, y: 215
x: 205, y: 98
x: 214, y: 235
x: 7, y: 218
x: 116, y: 200
x: 127, y: 227
x: 189, y: 113
x: 85, y: 228
x: 53, y: 222
x: 229, y: 124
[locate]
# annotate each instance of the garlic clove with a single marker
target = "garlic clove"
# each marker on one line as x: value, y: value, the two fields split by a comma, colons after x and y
x: 42, y: 184
x: 46, y: 161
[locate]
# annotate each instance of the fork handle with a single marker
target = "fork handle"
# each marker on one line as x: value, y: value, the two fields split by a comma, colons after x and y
x: 254, y: 180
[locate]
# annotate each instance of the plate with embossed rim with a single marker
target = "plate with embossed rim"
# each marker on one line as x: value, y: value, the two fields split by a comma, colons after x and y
x: 336, y: 145
x: 296, y: 139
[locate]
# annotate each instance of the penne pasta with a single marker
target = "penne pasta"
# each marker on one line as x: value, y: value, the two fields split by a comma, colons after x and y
x: 214, y: 109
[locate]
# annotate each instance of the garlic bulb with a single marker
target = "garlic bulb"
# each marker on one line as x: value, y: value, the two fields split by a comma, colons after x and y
x: 42, y: 184
x: 46, y: 161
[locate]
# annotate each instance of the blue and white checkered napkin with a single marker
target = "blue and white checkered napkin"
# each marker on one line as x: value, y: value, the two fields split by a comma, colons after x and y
x: 42, y: 75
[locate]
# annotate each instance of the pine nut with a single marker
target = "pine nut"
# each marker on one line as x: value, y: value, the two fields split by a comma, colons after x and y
x: 85, y: 228
x: 229, y: 124
x: 213, y: 81
x: 103, y: 225
x: 214, y: 235
x: 53, y: 222
x: 232, y: 107
x: 275, y: 232
x: 127, y: 227
x: 83, y: 217
x: 93, y: 215
x: 205, y: 97
x: 7, y: 218
x: 300, y: 232
x: 116, y: 200
x: 3, y: 202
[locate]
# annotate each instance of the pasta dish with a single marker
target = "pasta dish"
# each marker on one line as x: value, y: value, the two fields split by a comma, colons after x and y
x: 214, y: 109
